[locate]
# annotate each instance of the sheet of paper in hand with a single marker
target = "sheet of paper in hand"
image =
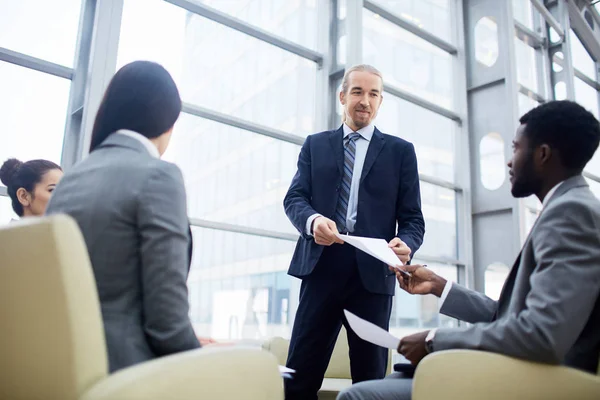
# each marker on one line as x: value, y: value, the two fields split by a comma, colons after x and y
x: 377, y: 248
x: 371, y: 332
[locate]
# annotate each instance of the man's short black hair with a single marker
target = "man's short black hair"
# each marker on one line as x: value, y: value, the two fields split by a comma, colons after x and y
x: 566, y: 126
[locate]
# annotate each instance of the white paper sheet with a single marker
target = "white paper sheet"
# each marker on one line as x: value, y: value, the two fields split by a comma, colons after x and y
x: 377, y: 248
x: 371, y: 332
x: 285, y: 370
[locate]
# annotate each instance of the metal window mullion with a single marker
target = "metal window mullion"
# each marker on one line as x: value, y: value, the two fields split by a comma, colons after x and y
x: 531, y: 94
x: 588, y: 37
x: 586, y: 79
x: 335, y: 71
x: 591, y: 176
x: 547, y: 15
x: 236, y: 122
x: 36, y: 64
x: 541, y: 56
x: 561, y: 13
x: 408, y: 96
x: 71, y: 150
x: 99, y: 67
x: 354, y: 32
x: 526, y: 34
x: 246, y: 230
x: 326, y: 17
x: 579, y: 74
x: 464, y: 225
x: 248, y: 29
x: 440, y: 182
x: 409, y: 26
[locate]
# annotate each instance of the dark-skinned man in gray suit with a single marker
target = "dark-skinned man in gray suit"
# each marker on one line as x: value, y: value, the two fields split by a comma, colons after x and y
x: 549, y: 308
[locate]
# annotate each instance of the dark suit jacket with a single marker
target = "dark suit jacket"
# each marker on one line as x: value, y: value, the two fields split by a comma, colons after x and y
x: 388, y: 194
x: 131, y: 209
x: 549, y: 308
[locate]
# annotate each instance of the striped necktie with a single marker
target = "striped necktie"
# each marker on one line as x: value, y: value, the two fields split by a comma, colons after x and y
x: 342, y: 206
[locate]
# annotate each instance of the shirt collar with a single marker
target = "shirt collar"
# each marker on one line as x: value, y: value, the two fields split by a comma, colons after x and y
x: 143, y: 140
x: 550, y: 193
x: 366, y: 132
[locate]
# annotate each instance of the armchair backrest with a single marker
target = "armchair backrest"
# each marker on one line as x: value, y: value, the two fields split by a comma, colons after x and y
x: 52, y: 342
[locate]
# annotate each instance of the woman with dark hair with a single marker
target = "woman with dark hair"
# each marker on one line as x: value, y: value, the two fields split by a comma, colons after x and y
x: 30, y: 184
x: 131, y: 209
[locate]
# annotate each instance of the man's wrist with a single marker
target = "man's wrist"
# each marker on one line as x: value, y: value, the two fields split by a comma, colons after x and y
x: 438, y: 286
x: 429, y: 341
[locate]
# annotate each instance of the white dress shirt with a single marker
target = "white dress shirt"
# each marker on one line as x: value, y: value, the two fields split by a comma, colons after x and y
x: 362, y: 145
x: 143, y: 140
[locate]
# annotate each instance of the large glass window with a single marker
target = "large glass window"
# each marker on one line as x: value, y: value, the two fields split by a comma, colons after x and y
x: 432, y: 15
x: 407, y: 61
x: 238, y: 285
x: 586, y: 95
x: 43, y: 29
x: 221, y: 69
x: 439, y: 210
x: 294, y: 20
x: 594, y: 187
x: 6, y: 211
x: 526, y: 65
x: 581, y: 58
x: 433, y: 135
x: 26, y: 93
x: 232, y: 175
x: 522, y: 12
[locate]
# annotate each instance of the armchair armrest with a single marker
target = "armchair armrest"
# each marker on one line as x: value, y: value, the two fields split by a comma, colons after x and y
x: 211, y: 373
x: 469, y: 374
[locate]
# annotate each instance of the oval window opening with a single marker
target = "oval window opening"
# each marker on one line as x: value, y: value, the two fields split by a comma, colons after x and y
x: 486, y: 41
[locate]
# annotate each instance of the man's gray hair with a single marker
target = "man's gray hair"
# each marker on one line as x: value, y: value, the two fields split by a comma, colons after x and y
x: 359, y: 68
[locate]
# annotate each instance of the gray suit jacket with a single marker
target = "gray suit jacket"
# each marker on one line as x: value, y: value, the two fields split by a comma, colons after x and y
x: 549, y: 308
x: 131, y: 209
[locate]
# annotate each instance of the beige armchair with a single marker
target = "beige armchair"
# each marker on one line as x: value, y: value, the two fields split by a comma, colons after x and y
x: 52, y: 339
x: 337, y: 376
x: 468, y: 374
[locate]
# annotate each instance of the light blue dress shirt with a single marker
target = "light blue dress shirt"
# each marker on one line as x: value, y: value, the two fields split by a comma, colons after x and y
x: 362, y: 145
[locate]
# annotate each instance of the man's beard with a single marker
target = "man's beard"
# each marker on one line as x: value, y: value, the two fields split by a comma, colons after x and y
x: 526, y: 183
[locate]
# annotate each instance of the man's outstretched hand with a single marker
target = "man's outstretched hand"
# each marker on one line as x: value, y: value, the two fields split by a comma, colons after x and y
x: 421, y: 280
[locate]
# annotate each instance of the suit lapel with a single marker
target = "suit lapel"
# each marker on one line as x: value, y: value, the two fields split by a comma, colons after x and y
x: 508, y: 284
x: 335, y: 139
x: 377, y: 142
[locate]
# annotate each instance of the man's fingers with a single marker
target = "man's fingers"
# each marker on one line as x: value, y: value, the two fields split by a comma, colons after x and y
x: 410, y: 268
x: 333, y: 230
x: 395, y: 242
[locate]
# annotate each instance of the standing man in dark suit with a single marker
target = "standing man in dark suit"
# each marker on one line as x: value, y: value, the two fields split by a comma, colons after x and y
x: 549, y: 308
x: 359, y: 181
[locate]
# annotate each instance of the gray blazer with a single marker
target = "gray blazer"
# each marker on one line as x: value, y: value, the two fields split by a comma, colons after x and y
x: 131, y: 209
x: 549, y: 308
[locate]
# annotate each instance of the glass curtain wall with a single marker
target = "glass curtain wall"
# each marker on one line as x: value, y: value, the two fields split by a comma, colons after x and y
x: 256, y: 77
x: 35, y: 80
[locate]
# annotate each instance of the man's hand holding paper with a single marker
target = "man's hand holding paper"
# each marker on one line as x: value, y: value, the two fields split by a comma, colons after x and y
x: 400, y: 249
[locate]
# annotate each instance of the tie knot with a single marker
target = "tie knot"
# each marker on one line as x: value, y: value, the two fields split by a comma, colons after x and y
x: 353, y: 136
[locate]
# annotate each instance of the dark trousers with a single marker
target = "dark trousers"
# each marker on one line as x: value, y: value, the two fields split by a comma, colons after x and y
x: 333, y: 286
